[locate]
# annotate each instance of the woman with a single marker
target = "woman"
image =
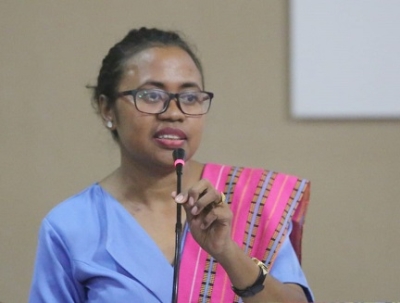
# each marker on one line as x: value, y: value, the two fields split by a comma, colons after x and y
x: 115, y: 241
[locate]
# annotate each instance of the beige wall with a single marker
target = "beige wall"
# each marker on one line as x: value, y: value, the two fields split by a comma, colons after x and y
x: 52, y: 144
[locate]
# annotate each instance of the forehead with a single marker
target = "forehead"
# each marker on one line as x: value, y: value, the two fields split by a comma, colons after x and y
x: 162, y: 64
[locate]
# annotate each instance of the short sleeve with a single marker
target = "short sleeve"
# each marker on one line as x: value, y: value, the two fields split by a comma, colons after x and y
x: 52, y: 278
x: 287, y: 269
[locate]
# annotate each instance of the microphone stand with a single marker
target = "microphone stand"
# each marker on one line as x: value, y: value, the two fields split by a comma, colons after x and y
x: 178, y: 155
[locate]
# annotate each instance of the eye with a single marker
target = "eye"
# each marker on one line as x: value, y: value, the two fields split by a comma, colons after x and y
x: 151, y: 96
x: 190, y: 98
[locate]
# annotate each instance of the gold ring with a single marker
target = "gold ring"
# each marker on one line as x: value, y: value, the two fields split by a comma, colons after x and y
x: 221, y: 200
x: 214, y: 204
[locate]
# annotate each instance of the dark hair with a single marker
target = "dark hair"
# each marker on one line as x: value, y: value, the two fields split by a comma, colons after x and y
x: 134, y: 42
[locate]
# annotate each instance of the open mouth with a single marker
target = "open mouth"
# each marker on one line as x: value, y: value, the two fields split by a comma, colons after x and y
x: 170, y: 137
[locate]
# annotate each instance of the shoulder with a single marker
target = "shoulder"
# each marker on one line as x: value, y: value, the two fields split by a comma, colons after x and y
x: 76, y: 212
x: 258, y: 184
x: 246, y: 171
x: 75, y: 204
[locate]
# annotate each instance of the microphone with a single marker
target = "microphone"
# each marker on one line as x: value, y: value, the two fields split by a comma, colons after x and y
x: 179, y: 158
x: 179, y: 161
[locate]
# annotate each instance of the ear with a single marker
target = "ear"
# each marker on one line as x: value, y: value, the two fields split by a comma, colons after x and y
x: 107, y: 112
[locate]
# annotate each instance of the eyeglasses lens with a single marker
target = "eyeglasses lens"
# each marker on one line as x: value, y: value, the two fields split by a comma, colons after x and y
x: 155, y: 101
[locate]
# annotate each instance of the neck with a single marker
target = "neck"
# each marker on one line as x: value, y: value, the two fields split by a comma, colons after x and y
x: 144, y: 185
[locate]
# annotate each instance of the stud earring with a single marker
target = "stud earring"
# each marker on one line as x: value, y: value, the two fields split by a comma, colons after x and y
x: 109, y: 124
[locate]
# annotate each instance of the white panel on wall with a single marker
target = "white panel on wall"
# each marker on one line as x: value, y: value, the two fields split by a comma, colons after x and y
x: 345, y: 58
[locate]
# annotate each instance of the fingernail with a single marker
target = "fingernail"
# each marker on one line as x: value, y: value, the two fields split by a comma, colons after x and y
x: 191, y: 201
x: 194, y: 210
x: 179, y: 198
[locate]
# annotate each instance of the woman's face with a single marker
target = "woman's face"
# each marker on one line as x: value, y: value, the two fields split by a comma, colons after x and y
x: 151, y: 138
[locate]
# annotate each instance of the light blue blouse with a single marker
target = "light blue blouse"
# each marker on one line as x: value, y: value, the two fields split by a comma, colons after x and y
x: 92, y: 250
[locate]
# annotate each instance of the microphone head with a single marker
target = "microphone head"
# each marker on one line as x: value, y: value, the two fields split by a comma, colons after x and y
x: 179, y: 154
x: 179, y: 158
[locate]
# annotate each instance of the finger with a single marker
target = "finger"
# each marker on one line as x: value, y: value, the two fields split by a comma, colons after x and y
x: 209, y: 199
x: 220, y: 202
x: 198, y: 190
x: 192, y: 194
x: 208, y: 219
x: 218, y: 215
x: 180, y: 198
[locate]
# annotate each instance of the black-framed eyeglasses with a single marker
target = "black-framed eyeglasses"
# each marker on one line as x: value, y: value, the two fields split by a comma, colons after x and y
x: 156, y: 101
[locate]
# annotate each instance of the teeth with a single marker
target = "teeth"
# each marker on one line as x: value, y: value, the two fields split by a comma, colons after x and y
x: 171, y: 137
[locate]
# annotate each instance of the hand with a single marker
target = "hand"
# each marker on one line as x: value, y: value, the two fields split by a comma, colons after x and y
x: 209, y: 221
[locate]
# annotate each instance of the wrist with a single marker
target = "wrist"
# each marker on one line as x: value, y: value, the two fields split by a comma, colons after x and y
x: 242, y: 270
x: 258, y: 284
x: 229, y: 254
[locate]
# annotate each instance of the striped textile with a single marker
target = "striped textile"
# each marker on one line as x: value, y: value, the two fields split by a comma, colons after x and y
x: 263, y: 203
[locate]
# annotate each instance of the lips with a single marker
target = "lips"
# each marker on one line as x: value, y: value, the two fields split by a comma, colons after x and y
x: 170, y: 137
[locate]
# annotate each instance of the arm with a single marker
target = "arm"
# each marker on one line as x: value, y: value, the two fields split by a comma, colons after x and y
x: 210, y: 225
x: 52, y: 278
x: 287, y: 269
x: 243, y: 272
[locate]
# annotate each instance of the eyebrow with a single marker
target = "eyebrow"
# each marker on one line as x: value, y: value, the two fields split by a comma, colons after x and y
x: 161, y: 85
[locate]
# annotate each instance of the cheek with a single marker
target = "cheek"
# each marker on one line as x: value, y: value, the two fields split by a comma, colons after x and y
x: 198, y: 130
x: 198, y: 124
x: 196, y: 139
x: 127, y: 114
x: 133, y: 124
